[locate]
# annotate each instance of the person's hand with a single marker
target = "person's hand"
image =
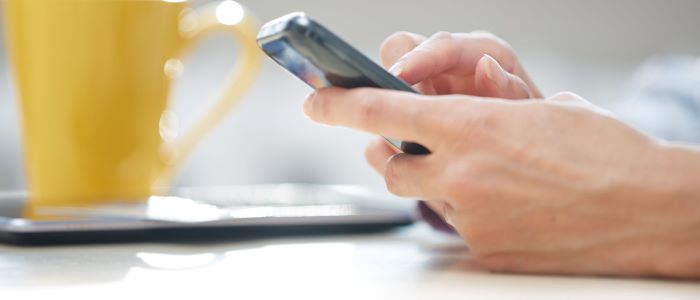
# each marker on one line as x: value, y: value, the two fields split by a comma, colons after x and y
x: 549, y: 186
x: 476, y: 63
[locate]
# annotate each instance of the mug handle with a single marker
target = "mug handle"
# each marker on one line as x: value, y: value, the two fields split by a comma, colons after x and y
x: 235, y: 20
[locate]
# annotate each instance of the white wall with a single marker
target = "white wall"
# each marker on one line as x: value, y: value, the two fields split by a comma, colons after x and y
x: 590, y: 47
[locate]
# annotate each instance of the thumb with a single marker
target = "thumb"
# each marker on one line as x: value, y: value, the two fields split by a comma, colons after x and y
x: 491, y: 80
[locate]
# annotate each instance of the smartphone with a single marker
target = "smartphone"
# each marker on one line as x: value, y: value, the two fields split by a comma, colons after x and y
x: 321, y: 59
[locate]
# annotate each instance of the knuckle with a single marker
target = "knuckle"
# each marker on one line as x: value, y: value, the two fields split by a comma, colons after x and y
x: 578, y: 103
x: 487, y: 35
x: 391, y: 176
x: 370, y: 108
x: 459, y: 186
x: 484, y: 33
x: 319, y: 107
x: 446, y: 39
x: 565, y: 95
x: 397, y: 45
x: 442, y: 35
x: 492, y: 38
x: 498, y: 48
x: 391, y: 185
x: 398, y: 38
x: 374, y: 156
x: 466, y: 187
x: 372, y: 148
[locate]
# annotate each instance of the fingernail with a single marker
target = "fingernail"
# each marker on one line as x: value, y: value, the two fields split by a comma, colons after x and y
x: 397, y: 68
x: 308, y: 104
x: 495, y: 73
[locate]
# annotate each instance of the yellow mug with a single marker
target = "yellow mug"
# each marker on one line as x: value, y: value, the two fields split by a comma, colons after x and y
x: 94, y: 78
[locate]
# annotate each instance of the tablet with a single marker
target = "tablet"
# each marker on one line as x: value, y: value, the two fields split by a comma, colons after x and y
x: 237, y: 212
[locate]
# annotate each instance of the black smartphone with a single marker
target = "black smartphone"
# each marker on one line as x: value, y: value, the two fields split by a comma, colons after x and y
x: 321, y: 59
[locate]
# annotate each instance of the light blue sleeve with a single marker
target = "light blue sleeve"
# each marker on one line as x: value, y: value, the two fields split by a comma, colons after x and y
x: 663, y: 99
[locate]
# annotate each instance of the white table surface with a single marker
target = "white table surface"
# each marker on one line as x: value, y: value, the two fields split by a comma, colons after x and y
x: 410, y: 263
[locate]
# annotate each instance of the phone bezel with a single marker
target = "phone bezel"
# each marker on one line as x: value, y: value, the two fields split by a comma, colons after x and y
x: 297, y: 30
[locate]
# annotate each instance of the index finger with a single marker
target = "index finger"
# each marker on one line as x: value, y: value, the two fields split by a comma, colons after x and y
x: 458, y: 53
x: 396, y: 114
x: 397, y: 45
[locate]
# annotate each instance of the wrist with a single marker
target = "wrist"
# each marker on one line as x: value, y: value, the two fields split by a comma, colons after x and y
x: 678, y: 176
x: 673, y: 197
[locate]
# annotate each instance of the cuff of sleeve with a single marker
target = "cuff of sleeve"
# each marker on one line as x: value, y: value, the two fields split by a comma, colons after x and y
x: 433, y: 219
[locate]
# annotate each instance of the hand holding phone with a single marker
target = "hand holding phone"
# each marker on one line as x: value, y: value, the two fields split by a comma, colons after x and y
x: 321, y: 59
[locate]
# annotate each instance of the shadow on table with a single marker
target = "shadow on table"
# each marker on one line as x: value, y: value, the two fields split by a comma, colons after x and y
x: 103, y: 263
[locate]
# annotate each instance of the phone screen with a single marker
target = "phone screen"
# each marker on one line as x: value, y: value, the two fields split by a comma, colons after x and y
x: 285, y: 55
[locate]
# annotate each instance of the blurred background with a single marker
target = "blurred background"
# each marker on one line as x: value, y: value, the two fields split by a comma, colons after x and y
x: 590, y: 47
